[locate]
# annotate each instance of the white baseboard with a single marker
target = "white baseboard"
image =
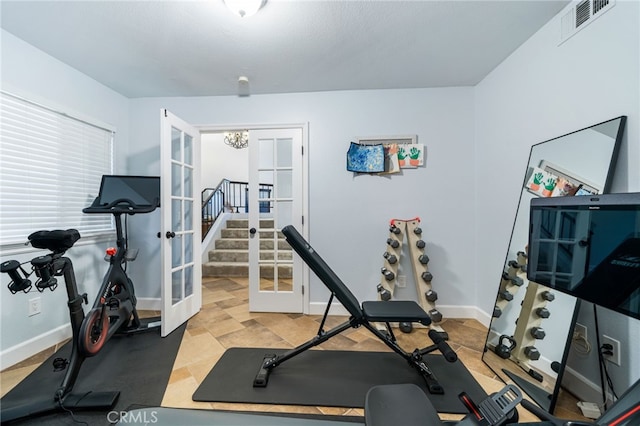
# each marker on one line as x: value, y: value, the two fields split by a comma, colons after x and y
x: 24, y: 350
x: 148, y: 304
x: 462, y: 312
x: 581, y: 387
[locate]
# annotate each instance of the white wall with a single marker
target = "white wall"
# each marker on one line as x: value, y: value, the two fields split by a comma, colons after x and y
x: 349, y: 214
x: 542, y: 91
x: 30, y: 73
x: 220, y: 161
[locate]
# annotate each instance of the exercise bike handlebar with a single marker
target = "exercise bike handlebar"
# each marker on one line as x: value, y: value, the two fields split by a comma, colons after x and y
x: 119, y: 206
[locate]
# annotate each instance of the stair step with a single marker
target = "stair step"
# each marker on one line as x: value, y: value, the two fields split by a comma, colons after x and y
x: 244, y: 223
x: 243, y: 255
x: 243, y: 244
x: 244, y: 233
x: 241, y: 269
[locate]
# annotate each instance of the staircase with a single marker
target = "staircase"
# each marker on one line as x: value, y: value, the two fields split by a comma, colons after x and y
x: 230, y: 257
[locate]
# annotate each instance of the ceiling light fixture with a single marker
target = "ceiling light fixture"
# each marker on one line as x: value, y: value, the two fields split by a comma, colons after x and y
x: 238, y: 139
x: 244, y: 8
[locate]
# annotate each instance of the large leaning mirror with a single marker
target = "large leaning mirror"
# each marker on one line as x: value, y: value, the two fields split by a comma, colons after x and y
x: 528, y: 337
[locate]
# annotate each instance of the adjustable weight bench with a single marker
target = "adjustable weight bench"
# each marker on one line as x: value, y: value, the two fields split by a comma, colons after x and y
x: 387, y: 312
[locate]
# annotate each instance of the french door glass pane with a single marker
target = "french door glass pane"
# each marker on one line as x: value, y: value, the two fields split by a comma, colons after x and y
x: 188, y: 179
x: 188, y: 281
x: 284, y: 189
x: 176, y: 215
x: 188, y: 248
x: 284, y: 157
x: 176, y: 180
x: 188, y: 149
x: 284, y: 215
x: 188, y: 217
x: 176, y: 286
x: 176, y: 144
x: 176, y: 251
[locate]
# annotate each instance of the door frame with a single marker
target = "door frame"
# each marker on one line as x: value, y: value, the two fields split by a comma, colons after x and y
x: 304, y: 127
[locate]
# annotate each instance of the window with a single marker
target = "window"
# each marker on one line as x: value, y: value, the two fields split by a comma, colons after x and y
x: 51, y: 165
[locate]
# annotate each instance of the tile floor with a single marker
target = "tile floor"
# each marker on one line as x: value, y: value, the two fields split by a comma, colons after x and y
x: 225, y: 322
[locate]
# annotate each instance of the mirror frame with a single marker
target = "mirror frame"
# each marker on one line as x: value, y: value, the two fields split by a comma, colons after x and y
x: 538, y: 394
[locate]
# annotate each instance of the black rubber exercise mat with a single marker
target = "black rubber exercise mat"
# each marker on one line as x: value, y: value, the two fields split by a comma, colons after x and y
x: 138, y: 366
x: 330, y: 378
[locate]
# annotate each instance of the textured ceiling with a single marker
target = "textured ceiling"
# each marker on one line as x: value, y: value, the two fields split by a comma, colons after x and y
x: 198, y: 48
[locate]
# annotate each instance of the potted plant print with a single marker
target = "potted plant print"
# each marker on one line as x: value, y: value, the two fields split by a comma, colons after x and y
x: 414, y: 157
x: 402, y: 154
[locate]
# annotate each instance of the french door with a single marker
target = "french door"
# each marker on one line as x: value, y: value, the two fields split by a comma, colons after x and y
x: 275, y: 200
x: 180, y: 223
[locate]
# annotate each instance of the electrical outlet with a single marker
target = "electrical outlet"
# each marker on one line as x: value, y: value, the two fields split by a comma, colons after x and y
x: 402, y: 281
x: 35, y: 306
x: 615, y: 344
x: 580, y: 330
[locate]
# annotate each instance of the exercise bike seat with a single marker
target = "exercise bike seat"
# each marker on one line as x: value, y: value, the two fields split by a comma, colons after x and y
x: 57, y: 241
x: 383, y: 406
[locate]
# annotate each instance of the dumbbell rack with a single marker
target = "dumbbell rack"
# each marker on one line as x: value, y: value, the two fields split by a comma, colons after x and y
x: 528, y: 327
x: 511, y: 281
x: 398, y: 230
x: 536, y: 298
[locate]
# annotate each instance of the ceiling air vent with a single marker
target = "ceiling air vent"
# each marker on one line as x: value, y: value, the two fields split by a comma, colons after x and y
x: 579, y: 14
x: 583, y: 12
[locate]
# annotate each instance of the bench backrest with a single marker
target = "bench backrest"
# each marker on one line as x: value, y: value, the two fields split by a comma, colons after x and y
x: 322, y: 270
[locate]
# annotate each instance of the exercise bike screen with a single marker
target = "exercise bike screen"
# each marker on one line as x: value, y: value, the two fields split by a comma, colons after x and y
x: 589, y: 249
x: 142, y: 190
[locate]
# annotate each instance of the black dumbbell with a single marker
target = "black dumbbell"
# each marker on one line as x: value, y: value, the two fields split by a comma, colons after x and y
x: 417, y: 231
x: 547, y: 295
x: 537, y: 333
x: 497, y: 312
x: 391, y: 258
x: 543, y: 313
x: 406, y: 327
x: 388, y: 275
x: 505, y: 295
x: 394, y: 229
x: 532, y: 353
x: 517, y: 281
x: 423, y: 258
x: 427, y: 276
x: 420, y: 244
x: 431, y: 295
x: 435, y: 315
x: 514, y: 264
x: 384, y: 293
x: 393, y: 243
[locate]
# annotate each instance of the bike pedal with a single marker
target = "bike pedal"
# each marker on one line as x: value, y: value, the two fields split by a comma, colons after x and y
x: 494, y: 409
x: 60, y: 364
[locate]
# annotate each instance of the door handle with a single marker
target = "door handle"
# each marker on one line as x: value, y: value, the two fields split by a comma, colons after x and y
x: 170, y: 234
x: 252, y: 231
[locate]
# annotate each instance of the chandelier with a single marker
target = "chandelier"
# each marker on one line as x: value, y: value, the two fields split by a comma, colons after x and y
x: 237, y: 139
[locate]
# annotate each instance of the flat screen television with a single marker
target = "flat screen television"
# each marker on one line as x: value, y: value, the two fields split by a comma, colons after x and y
x: 589, y: 247
x: 142, y: 190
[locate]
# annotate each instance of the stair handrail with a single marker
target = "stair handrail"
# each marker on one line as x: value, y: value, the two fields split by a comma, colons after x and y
x: 213, y: 205
x: 231, y: 195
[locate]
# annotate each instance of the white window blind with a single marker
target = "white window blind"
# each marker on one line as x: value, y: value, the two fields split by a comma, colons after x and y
x: 51, y: 165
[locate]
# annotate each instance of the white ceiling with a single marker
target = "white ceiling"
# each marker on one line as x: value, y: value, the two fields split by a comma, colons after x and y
x: 198, y: 48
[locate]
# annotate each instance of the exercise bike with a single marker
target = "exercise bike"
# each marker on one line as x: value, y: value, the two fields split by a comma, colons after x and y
x: 114, y: 309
